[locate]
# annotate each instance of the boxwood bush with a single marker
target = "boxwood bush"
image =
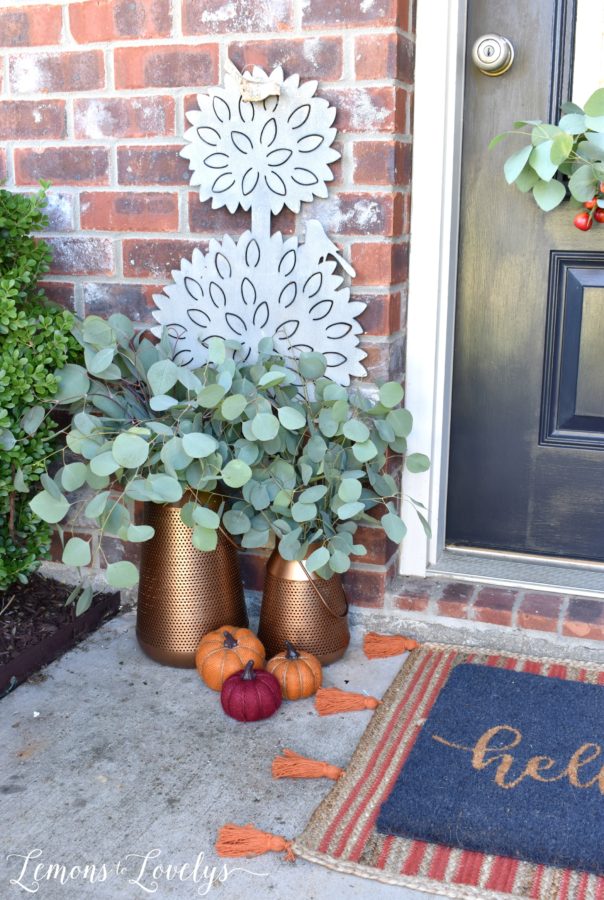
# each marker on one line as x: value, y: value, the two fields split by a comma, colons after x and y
x: 35, y: 340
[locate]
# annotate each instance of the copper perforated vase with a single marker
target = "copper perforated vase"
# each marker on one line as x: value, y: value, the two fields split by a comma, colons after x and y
x: 300, y: 607
x: 184, y: 592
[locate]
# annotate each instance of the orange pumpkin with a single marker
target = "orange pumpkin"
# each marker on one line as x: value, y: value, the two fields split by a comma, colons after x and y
x: 225, y: 651
x: 299, y: 673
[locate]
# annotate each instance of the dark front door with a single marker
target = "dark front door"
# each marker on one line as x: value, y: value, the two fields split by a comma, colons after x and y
x: 527, y: 439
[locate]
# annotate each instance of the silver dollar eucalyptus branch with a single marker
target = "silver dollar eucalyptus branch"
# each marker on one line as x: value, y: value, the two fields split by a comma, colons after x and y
x: 263, y: 142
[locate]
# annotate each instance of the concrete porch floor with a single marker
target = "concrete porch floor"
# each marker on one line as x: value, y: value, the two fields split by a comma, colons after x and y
x: 111, y: 754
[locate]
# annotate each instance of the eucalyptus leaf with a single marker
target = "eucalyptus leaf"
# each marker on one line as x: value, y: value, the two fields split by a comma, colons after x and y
x: 514, y: 165
x: 211, y: 395
x: 391, y: 394
x: 205, y: 539
x: 233, y: 406
x: 32, y: 419
x: 236, y: 522
x: 130, y: 450
x: 199, y: 446
x: 417, y: 462
x: 205, y: 517
x: 122, y: 574
x: 139, y: 533
x: 49, y: 508
x: 236, y: 473
x: 291, y: 418
x: 351, y: 510
x: 76, y: 552
x: 318, y: 558
x: 162, y: 402
x: 394, y: 527
x: 549, y: 194
x: 162, y: 376
x: 303, y: 512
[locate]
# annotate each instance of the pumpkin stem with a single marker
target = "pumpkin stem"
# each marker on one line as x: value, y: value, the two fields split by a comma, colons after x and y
x: 229, y: 640
x: 248, y: 672
x: 291, y: 653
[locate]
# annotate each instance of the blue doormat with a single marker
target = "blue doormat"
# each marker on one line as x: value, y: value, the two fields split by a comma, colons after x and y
x: 508, y: 763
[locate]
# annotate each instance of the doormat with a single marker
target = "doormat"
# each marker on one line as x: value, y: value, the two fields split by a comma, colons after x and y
x: 343, y: 832
x: 508, y: 763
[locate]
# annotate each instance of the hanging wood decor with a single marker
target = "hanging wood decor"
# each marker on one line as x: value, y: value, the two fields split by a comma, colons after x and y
x: 263, y: 142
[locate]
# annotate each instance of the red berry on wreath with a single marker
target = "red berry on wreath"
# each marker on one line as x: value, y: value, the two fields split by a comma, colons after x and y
x: 583, y: 221
x: 589, y: 204
x: 599, y: 215
x: 251, y: 695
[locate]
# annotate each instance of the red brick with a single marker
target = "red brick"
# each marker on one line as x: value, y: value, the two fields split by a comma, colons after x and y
x: 305, y: 56
x: 318, y: 13
x: 380, y: 264
x: 406, y: 15
x: 379, y: 548
x: 57, y: 72
x: 3, y: 169
x: 60, y: 292
x: 204, y: 219
x: 62, y: 165
x: 584, y: 619
x: 495, y: 605
x: 540, y: 612
x: 102, y: 299
x: 30, y: 26
x: 455, y: 600
x: 156, y: 258
x: 364, y: 109
x: 384, y: 361
x: 82, y: 256
x: 152, y: 165
x: 386, y: 55
x: 113, y: 550
x: 382, y: 162
x: 173, y: 66
x: 412, y: 594
x: 382, y: 315
x: 60, y: 208
x: 124, y: 117
x: 348, y: 213
x: 220, y: 17
x: 403, y: 110
x: 113, y: 20
x: 366, y: 587
x: 116, y: 211
x: 30, y: 119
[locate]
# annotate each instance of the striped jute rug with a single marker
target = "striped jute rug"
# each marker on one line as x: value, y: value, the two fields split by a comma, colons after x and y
x: 342, y: 834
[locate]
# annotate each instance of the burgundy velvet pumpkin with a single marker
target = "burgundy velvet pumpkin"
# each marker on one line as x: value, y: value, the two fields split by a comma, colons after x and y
x: 251, y: 694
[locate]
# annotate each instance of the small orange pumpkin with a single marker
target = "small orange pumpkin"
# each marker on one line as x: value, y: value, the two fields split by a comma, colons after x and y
x: 225, y: 651
x: 299, y: 673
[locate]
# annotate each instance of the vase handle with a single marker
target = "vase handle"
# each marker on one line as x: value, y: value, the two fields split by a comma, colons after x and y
x: 322, y: 598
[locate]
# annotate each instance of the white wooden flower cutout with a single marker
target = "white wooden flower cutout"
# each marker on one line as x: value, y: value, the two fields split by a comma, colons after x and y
x: 261, y: 287
x: 267, y: 154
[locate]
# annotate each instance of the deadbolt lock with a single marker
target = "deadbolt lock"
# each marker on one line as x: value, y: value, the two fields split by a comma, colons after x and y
x: 492, y: 54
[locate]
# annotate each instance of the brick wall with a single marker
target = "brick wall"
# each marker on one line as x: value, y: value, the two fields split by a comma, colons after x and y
x: 93, y: 96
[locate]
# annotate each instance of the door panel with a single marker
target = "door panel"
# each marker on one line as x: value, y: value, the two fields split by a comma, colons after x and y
x: 528, y: 384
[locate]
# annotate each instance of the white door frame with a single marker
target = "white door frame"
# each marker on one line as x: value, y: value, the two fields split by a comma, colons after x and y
x: 437, y: 134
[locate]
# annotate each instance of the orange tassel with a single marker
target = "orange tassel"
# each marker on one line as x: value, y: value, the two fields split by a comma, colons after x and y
x: 247, y: 840
x: 378, y: 646
x: 292, y: 765
x: 333, y: 700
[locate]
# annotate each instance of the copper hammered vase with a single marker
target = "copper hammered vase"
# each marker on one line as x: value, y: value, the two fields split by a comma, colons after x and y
x: 184, y: 592
x: 300, y: 607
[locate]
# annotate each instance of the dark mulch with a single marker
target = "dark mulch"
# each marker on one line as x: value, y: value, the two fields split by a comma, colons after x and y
x: 36, y: 626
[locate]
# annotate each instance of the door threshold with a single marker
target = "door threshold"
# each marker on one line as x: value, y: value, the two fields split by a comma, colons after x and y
x: 516, y: 571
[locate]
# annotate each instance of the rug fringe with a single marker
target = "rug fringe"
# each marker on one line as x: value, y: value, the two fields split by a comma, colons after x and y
x: 247, y: 840
x: 332, y: 700
x: 293, y: 765
x: 379, y: 646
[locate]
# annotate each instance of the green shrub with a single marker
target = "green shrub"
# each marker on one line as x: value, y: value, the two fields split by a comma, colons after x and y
x: 34, y: 341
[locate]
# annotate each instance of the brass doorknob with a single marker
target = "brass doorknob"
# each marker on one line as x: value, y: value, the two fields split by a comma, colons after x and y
x: 492, y: 54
